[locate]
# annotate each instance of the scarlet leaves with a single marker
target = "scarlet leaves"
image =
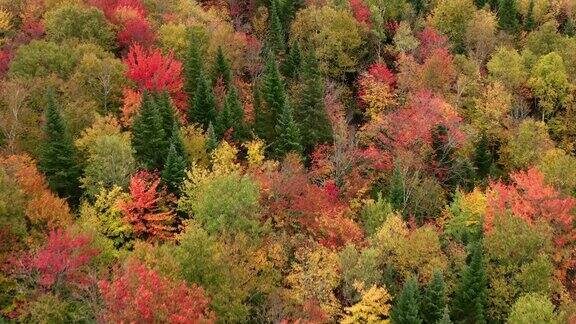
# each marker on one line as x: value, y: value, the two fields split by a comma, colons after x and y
x: 141, y: 295
x: 143, y: 211
x: 155, y: 72
x: 360, y: 11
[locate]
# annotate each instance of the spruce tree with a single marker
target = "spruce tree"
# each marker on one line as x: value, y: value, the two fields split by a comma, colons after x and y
x: 148, y: 136
x: 508, y: 16
x: 483, y: 158
x: 167, y: 112
x: 222, y: 69
x: 276, y: 32
x: 434, y: 299
x: 396, y: 191
x: 405, y: 309
x: 203, y: 110
x: 293, y: 61
x: 310, y: 111
x: 288, y: 12
x: 288, y: 137
x: 175, y: 167
x: 232, y: 116
x: 470, y: 296
x: 274, y: 97
x: 569, y: 27
x: 193, y: 67
x: 58, y: 156
x: 530, y: 23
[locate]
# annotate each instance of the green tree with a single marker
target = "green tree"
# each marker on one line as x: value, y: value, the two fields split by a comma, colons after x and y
x: 148, y: 136
x: 508, y: 17
x: 530, y: 22
x: 434, y: 299
x: 293, y: 61
x: 203, y: 110
x: 193, y: 67
x: 174, y: 171
x: 397, y: 189
x: 288, y: 138
x: 58, y: 158
x: 274, y: 100
x: 232, y: 116
x: 276, y: 38
x: 222, y: 69
x: 470, y: 296
x: 42, y: 58
x: 405, y: 309
x: 167, y: 112
x: 452, y: 18
x: 310, y: 111
x: 533, y: 308
x: 483, y: 159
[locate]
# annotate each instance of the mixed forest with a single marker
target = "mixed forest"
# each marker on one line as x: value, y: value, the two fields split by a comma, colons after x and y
x: 288, y: 161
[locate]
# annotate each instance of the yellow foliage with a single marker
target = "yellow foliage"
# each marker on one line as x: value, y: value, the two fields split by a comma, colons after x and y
x: 195, y: 145
x: 374, y: 307
x: 224, y: 159
x: 255, y: 150
x: 491, y: 110
x: 377, y: 95
x: 103, y: 125
x: 174, y: 37
x: 5, y: 21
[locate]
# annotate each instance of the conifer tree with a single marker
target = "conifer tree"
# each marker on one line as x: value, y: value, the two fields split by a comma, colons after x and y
x: 193, y: 68
x: 470, y: 296
x: 293, y: 61
x: 310, y: 112
x: 58, y: 158
x: 508, y: 16
x: 148, y: 136
x: 274, y: 99
x: 174, y: 171
x: 483, y: 158
x: 203, y: 110
x: 445, y: 317
x: 276, y: 36
x: 530, y: 23
x: 232, y: 116
x: 288, y: 11
x: 434, y: 299
x: 396, y: 191
x: 288, y: 137
x: 569, y: 27
x: 222, y: 69
x: 260, y: 124
x: 405, y: 309
x: 167, y: 112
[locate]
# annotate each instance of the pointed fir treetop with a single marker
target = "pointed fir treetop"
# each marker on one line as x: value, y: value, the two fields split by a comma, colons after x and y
x: 211, y: 138
x: 276, y: 32
x: 293, y: 61
x: 193, y: 66
x: 405, y: 310
x: 148, y: 137
x: 470, y: 295
x: 203, y: 110
x: 434, y: 299
x: 174, y: 171
x: 508, y: 17
x: 288, y: 138
x: 273, y: 87
x: 167, y: 112
x: 232, y: 116
x: 222, y: 69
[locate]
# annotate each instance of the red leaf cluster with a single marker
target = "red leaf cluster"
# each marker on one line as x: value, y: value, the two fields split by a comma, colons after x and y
x: 430, y: 40
x: 141, y: 295
x: 142, y: 210
x: 360, y: 11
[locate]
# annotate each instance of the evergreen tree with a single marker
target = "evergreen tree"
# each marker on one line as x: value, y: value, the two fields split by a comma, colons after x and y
x: 530, y: 23
x: 445, y: 317
x: 260, y: 124
x: 288, y: 12
x: 211, y: 138
x: 274, y: 100
x: 276, y: 36
x: 58, y: 158
x: 193, y: 68
x: 293, y: 61
x: 470, y: 296
x: 483, y: 158
x: 434, y: 299
x: 232, y: 116
x: 310, y: 112
x: 203, y: 111
x: 288, y: 135
x: 148, y: 136
x: 167, y: 112
x: 175, y: 167
x: 420, y: 6
x: 405, y: 309
x: 508, y: 16
x: 222, y: 69
x: 396, y: 191
x: 569, y: 27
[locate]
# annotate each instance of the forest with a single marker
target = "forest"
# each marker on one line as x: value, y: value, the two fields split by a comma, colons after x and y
x: 288, y: 161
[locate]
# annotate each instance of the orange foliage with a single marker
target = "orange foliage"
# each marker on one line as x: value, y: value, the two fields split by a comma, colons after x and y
x: 132, y: 101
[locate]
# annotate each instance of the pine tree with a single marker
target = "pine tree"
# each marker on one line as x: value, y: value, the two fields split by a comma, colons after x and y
x: 288, y: 135
x: 396, y: 191
x: 434, y: 299
x: 167, y: 112
x: 211, y: 138
x: 222, y: 69
x: 193, y: 67
x: 276, y: 37
x: 148, y: 136
x: 530, y: 23
x: 293, y: 61
x: 569, y: 27
x: 405, y: 309
x: 203, y: 111
x: 175, y: 167
x: 310, y: 112
x: 274, y: 97
x: 483, y: 158
x: 232, y: 116
x: 288, y: 12
x: 508, y: 16
x: 58, y: 158
x: 470, y: 296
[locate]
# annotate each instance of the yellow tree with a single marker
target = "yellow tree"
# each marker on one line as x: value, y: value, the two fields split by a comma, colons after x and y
x: 374, y: 307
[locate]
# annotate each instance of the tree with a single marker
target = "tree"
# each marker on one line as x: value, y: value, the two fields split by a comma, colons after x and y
x: 310, y: 111
x: 452, y: 19
x: 274, y: 100
x: 174, y: 171
x: 288, y: 138
x: 526, y: 146
x: 372, y: 308
x: 276, y: 38
x: 508, y: 17
x: 483, y: 159
x: 405, y: 309
x: 193, y: 68
x: 138, y: 294
x: 143, y: 209
x: 533, y: 308
x: 58, y: 160
x: 507, y: 66
x: 530, y: 23
x: 167, y: 114
x: 221, y: 69
x: 232, y: 117
x: 41, y: 58
x: 148, y: 137
x: 470, y: 296
x: 434, y: 299
x: 293, y: 61
x: 203, y: 110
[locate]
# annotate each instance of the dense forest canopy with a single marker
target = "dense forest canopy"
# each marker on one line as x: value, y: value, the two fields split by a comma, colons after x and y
x: 288, y: 161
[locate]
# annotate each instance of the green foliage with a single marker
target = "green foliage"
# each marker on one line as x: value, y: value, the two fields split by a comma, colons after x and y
x: 148, y: 136
x: 483, y: 160
x: 193, y: 67
x: 276, y: 38
x: 508, y: 17
x: 85, y: 24
x: 292, y: 63
x: 58, y: 160
x: 533, y: 308
x: 434, y: 299
x: 174, y: 171
x: 288, y: 137
x: 41, y: 58
x: 507, y: 66
x: 550, y: 84
x: 406, y: 305
x: 359, y: 267
x: 375, y: 213
x: 203, y: 110
x: 451, y: 17
x: 526, y: 146
x: 469, y: 300
x: 222, y: 69
x: 232, y: 117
